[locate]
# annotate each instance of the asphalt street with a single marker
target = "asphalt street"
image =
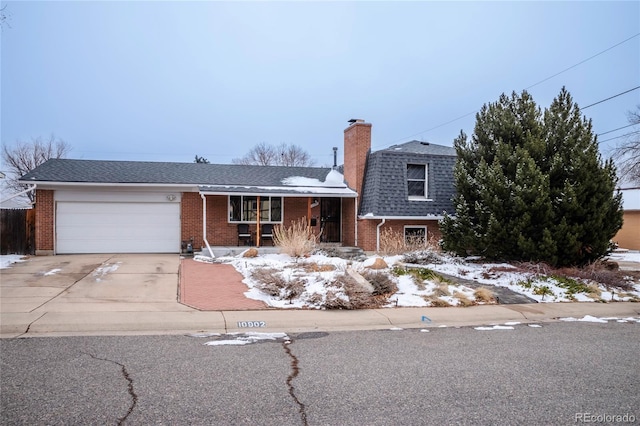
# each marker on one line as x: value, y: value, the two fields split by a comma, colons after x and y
x: 545, y: 375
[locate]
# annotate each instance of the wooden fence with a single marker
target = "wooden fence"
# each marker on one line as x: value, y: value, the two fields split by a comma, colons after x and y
x: 17, y: 231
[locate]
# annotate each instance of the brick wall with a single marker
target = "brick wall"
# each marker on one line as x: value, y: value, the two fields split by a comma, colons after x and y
x: 348, y: 221
x: 44, y: 221
x: 367, y: 235
x: 357, y: 143
x: 191, y: 218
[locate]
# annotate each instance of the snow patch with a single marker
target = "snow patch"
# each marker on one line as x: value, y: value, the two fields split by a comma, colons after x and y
x: 246, y: 338
x: 105, y: 269
x: 495, y: 327
x: 586, y: 318
x: 6, y: 260
x: 52, y: 272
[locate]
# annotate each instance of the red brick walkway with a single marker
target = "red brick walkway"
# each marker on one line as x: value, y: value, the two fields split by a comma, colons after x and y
x: 214, y: 287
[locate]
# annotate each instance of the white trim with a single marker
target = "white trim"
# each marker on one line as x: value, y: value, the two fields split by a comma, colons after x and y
x: 416, y: 227
x: 53, y: 184
x: 418, y: 198
x: 372, y: 217
x: 426, y: 181
x: 281, y: 194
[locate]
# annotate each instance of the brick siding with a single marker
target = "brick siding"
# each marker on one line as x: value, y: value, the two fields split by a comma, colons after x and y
x: 44, y: 221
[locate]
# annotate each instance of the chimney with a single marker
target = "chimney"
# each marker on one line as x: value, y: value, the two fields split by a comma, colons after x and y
x: 357, y: 144
x: 335, y: 157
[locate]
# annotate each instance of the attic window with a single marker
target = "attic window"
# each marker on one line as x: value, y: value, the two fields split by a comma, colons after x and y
x: 417, y: 181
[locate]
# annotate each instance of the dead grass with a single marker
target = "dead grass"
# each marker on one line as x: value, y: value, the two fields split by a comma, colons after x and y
x: 394, y: 242
x: 442, y: 289
x: 438, y: 303
x: 271, y: 282
x: 483, y: 294
x: 463, y: 300
x: 382, y: 284
x: 315, y: 267
x: 296, y: 240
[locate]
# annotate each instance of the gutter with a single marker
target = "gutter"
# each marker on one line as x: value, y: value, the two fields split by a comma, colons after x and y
x: 378, y: 234
x: 19, y: 193
x: 371, y: 217
x: 204, y: 224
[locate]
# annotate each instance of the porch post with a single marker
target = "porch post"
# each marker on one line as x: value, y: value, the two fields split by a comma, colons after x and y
x: 258, y: 222
x: 309, y: 211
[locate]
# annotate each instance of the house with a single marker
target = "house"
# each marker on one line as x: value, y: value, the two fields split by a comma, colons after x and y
x: 628, y: 236
x: 90, y: 206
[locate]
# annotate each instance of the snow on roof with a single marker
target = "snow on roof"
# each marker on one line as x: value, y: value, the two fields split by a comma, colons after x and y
x: 334, y: 179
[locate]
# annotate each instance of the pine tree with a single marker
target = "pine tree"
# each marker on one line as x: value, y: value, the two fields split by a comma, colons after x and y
x: 532, y: 186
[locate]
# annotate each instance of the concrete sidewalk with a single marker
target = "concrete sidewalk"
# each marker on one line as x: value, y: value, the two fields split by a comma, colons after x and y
x: 138, y: 323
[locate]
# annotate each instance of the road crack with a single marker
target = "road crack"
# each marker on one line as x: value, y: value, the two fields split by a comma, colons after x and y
x: 125, y: 374
x: 295, y: 370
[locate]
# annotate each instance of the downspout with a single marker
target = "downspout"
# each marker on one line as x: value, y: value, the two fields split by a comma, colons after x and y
x: 204, y: 224
x: 378, y: 234
x: 355, y: 222
x: 20, y: 193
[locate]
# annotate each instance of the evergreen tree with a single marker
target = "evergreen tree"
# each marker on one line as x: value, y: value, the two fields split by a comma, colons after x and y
x: 532, y: 186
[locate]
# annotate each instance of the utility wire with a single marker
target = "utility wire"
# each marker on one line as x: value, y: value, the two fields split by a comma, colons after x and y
x: 533, y: 85
x: 619, y: 128
x: 611, y: 97
x: 582, y: 62
x: 618, y: 137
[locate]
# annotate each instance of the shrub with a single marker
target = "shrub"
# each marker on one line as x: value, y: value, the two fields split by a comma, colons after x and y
x: 441, y: 289
x: 271, y: 282
x: 439, y: 303
x: 382, y: 284
x: 297, y: 240
x: 483, y: 294
x: 463, y: 300
x: 394, y: 242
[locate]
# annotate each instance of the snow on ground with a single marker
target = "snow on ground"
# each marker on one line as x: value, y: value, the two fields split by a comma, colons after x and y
x: 625, y: 256
x: 317, y: 282
x: 104, y: 269
x: 52, y: 272
x: 235, y: 339
x: 6, y: 260
x: 604, y: 320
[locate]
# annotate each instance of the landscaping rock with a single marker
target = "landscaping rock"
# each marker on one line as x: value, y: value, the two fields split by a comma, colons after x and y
x: 379, y: 263
x: 252, y: 252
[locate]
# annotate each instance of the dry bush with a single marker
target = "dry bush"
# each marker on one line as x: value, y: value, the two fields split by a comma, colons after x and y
x: 382, y: 284
x: 438, y: 303
x: 464, y: 301
x: 296, y: 240
x: 441, y: 289
x: 271, y: 282
x: 314, y: 267
x: 394, y: 242
x: 598, y: 272
x: 334, y: 301
x: 483, y: 294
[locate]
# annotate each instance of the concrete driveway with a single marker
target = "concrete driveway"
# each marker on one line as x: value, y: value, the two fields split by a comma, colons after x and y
x: 91, y: 284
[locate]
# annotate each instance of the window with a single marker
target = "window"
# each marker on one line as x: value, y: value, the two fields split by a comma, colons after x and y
x: 415, y: 235
x: 245, y: 209
x: 417, y: 180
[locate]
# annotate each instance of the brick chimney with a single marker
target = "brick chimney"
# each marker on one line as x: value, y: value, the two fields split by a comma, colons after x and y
x: 357, y: 144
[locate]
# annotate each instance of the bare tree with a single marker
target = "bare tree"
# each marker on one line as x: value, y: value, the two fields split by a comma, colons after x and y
x: 4, y: 17
x: 23, y: 157
x: 264, y: 154
x: 628, y: 152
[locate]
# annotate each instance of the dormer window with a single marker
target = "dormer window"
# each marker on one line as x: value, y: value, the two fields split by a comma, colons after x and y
x: 417, y: 181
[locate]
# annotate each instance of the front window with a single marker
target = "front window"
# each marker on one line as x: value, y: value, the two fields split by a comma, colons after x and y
x: 417, y: 180
x: 415, y: 236
x: 245, y: 209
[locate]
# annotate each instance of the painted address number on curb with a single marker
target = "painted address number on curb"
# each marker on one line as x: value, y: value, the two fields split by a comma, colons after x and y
x: 251, y: 324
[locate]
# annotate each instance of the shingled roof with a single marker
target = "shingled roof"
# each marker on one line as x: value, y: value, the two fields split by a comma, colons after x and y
x: 384, y: 192
x: 132, y: 172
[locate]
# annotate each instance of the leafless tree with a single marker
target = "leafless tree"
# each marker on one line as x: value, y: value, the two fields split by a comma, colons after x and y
x: 264, y: 154
x: 628, y: 152
x: 4, y: 17
x: 23, y: 157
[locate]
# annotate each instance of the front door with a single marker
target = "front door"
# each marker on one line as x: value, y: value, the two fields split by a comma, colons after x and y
x: 330, y: 220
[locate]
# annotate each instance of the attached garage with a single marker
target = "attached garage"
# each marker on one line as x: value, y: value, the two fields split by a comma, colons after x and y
x: 106, y: 222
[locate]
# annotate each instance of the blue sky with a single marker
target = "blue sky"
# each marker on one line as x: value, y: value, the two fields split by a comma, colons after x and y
x: 164, y: 81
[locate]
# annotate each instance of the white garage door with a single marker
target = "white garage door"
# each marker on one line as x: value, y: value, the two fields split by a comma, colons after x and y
x: 117, y: 227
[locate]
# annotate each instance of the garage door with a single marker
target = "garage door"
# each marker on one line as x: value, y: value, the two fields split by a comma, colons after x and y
x: 117, y: 227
